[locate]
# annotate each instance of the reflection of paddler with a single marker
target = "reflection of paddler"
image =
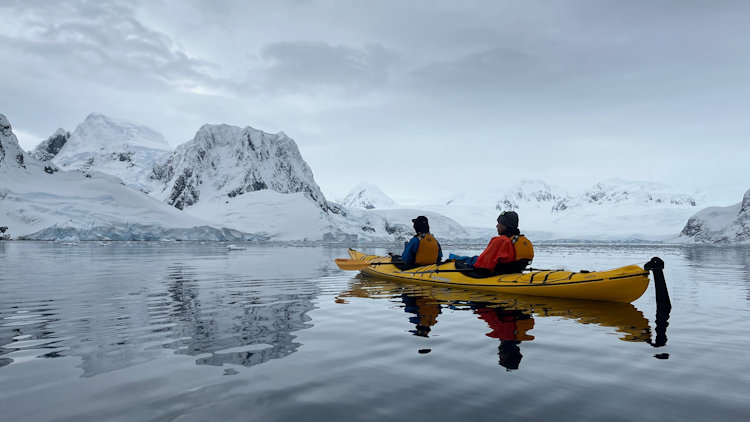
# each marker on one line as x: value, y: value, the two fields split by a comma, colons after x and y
x: 510, y: 327
x: 426, y: 310
x: 506, y: 324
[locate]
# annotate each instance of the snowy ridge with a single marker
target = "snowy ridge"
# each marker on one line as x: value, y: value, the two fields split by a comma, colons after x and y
x: 113, y: 146
x: 720, y: 224
x: 367, y: 196
x: 610, y: 210
x: 224, y: 162
x: 614, y: 191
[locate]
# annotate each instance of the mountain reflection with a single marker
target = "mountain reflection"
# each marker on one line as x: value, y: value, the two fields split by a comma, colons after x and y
x: 243, y: 324
x: 218, y: 321
x: 509, y: 318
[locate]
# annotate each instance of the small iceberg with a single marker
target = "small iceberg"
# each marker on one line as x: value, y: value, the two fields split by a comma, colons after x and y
x: 235, y: 248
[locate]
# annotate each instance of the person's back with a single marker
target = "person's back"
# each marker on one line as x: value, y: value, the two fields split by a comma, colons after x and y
x: 423, y: 248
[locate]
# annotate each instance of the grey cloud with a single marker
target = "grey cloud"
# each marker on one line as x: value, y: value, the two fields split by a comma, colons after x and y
x: 103, y: 43
x: 585, y: 50
x: 306, y: 66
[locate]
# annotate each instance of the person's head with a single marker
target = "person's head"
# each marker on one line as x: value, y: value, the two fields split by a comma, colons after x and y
x: 507, y: 221
x: 421, y: 225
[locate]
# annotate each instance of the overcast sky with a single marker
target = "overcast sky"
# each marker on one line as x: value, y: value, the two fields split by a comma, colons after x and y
x: 422, y: 98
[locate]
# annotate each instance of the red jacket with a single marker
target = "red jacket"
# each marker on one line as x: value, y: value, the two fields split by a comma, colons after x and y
x: 500, y: 250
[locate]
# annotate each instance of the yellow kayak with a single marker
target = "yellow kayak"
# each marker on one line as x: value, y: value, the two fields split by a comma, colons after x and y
x: 624, y: 284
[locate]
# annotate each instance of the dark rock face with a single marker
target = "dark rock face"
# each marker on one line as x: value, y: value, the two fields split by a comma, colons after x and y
x: 693, y: 227
x: 184, y: 191
x: 745, y: 207
x: 6, y: 131
x: 49, y: 148
x: 11, y: 154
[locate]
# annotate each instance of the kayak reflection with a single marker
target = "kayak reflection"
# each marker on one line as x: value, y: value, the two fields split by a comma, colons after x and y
x: 509, y: 318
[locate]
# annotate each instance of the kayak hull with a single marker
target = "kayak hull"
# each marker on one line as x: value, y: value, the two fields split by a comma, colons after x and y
x: 624, y: 284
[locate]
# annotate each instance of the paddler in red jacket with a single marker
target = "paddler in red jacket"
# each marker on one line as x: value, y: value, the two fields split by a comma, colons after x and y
x: 509, y: 251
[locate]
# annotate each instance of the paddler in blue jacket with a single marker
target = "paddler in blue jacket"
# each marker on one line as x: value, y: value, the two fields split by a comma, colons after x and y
x: 423, y: 248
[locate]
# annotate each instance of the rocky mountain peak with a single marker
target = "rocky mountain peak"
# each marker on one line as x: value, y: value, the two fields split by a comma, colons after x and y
x: 223, y: 161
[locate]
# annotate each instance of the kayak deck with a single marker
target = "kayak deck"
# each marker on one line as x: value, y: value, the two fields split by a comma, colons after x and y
x: 624, y: 284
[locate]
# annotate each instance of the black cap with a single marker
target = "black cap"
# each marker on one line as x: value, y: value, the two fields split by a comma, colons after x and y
x: 508, y: 219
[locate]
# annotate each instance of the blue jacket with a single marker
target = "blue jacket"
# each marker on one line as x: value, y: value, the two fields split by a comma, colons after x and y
x: 410, y: 251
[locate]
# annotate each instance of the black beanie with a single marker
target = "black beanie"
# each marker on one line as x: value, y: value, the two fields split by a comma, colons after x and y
x: 508, y: 219
x: 421, y: 225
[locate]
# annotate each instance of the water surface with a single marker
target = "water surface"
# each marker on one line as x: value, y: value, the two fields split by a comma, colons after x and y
x: 137, y: 331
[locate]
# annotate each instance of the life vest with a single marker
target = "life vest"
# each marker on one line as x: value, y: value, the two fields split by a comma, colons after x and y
x: 523, y: 247
x: 427, y: 253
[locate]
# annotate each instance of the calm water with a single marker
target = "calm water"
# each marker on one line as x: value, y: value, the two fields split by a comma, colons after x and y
x: 197, y: 332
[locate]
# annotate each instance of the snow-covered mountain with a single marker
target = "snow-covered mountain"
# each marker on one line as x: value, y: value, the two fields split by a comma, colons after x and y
x: 112, y: 146
x: 38, y: 201
x: 49, y: 148
x: 242, y: 183
x: 224, y: 162
x: 720, y: 224
x: 254, y: 181
x: 610, y: 210
x: 367, y: 196
x: 231, y: 183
